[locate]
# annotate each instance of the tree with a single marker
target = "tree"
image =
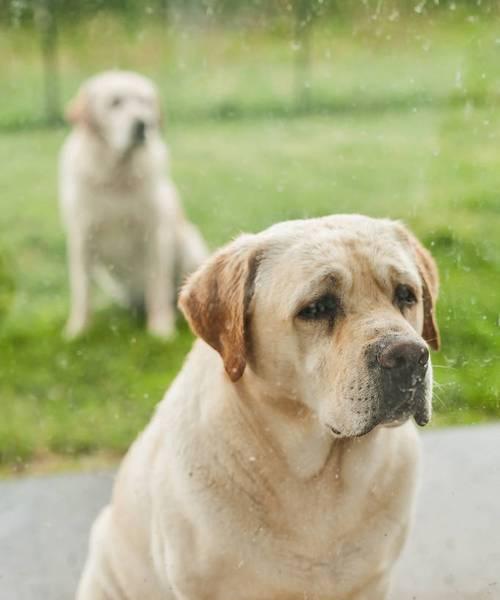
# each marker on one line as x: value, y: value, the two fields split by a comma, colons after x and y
x: 302, y: 40
x: 46, y: 20
x: 305, y: 14
x: 48, y: 16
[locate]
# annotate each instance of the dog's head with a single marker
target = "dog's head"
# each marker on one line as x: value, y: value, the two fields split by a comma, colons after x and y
x: 335, y: 313
x: 121, y: 108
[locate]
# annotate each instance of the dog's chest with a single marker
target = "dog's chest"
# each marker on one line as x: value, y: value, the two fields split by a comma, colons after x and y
x: 287, y: 540
x: 312, y: 542
x: 120, y: 226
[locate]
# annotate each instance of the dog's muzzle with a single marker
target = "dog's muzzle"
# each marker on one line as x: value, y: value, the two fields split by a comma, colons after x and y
x: 401, y: 364
x: 138, y: 132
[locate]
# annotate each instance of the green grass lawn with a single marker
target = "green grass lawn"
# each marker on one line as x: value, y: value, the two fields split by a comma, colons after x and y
x: 435, y: 166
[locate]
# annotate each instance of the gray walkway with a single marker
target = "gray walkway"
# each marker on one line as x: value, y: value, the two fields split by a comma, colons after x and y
x: 453, y: 553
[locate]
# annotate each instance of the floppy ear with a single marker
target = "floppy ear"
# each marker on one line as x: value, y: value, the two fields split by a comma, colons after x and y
x: 216, y: 298
x: 78, y: 109
x: 430, y: 282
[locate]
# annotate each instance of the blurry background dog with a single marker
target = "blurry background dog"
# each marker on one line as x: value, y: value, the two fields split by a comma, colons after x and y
x: 124, y: 222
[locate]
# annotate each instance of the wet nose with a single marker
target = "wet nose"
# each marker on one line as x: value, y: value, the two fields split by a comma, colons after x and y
x: 404, y: 356
x: 139, y: 130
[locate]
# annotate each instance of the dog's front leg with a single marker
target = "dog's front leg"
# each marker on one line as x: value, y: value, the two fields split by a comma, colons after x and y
x: 160, y: 283
x: 79, y: 280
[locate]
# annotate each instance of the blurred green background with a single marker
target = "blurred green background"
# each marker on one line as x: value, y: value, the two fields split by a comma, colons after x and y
x: 275, y: 110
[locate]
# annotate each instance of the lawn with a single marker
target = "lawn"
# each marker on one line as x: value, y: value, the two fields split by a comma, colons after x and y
x: 432, y: 160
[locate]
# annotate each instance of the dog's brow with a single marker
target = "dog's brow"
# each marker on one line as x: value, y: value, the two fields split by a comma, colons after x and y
x: 393, y: 273
x: 332, y: 280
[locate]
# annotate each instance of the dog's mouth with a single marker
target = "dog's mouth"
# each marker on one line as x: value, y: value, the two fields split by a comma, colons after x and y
x: 138, y: 139
x: 422, y: 414
x: 138, y: 134
x: 333, y: 430
x: 401, y: 401
x: 419, y: 410
x: 420, y: 419
x: 336, y: 433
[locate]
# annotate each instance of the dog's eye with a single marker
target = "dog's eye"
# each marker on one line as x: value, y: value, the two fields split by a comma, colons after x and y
x: 115, y: 102
x: 404, y: 296
x: 325, y: 307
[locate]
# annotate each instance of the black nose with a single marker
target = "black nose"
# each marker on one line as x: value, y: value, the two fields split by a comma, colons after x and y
x: 139, y: 130
x: 398, y: 364
x: 404, y: 356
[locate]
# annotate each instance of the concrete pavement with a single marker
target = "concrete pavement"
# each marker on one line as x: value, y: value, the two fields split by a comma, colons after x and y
x: 452, y: 554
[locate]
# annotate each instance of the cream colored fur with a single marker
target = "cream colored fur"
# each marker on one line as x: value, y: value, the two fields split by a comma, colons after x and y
x: 124, y: 221
x: 238, y: 489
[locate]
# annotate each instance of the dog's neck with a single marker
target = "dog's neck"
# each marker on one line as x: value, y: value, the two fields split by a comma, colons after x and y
x: 290, y: 428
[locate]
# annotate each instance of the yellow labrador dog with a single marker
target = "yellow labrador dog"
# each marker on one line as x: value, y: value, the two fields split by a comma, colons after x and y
x: 123, y: 219
x: 282, y: 463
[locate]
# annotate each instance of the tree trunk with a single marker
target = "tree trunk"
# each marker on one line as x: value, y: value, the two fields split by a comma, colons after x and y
x: 46, y: 20
x: 303, y: 21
